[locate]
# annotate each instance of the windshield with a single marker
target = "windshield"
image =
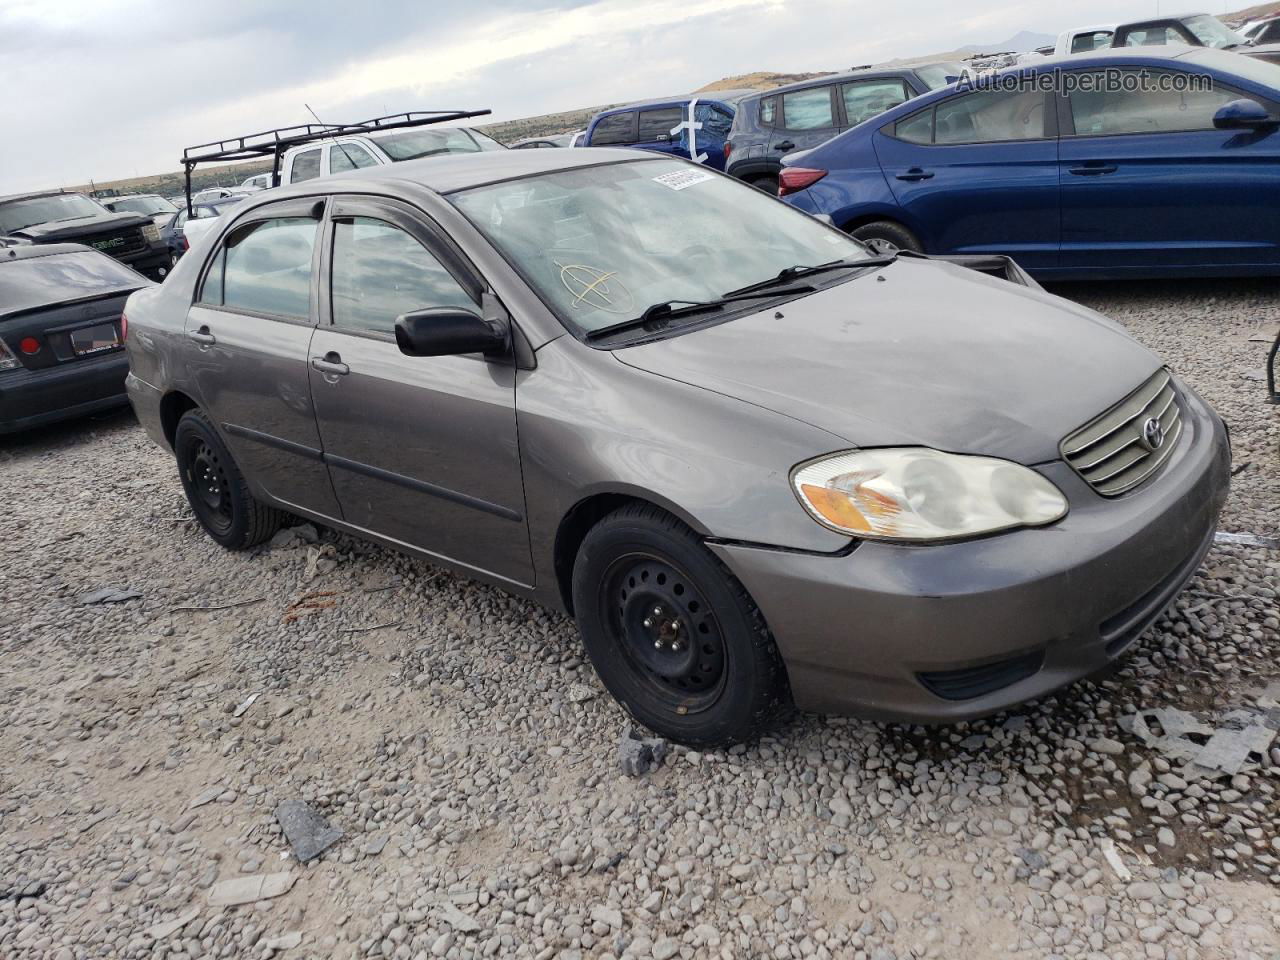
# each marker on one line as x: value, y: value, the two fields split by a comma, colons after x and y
x: 40, y: 281
x: 412, y: 144
x: 147, y: 205
x: 1212, y: 32
x: 938, y: 75
x: 600, y: 244
x: 17, y: 214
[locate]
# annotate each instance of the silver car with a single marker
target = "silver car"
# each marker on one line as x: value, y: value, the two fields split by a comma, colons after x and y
x: 761, y: 465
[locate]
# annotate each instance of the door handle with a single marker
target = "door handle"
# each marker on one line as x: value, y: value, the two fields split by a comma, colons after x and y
x: 202, y: 337
x: 331, y: 364
x: 785, y: 145
x: 914, y: 174
x: 1093, y: 169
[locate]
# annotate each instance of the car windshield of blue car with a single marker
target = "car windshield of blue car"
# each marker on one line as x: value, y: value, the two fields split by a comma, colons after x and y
x: 600, y: 244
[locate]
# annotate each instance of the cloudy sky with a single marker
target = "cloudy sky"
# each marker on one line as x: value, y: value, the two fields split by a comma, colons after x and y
x: 116, y: 88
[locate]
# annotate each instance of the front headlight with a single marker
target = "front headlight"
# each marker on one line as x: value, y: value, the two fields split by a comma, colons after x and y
x: 151, y: 232
x: 914, y: 493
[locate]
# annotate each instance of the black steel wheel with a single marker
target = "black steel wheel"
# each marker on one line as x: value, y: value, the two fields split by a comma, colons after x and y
x: 886, y: 237
x: 216, y: 489
x: 672, y: 633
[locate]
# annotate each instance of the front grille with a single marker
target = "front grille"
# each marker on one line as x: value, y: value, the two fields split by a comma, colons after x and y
x: 973, y: 682
x: 120, y: 243
x: 1116, y: 452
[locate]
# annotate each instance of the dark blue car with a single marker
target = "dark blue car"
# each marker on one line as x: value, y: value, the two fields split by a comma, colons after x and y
x: 1151, y: 162
x: 664, y: 126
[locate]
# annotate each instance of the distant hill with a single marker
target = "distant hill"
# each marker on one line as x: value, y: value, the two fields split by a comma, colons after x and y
x: 1252, y: 13
x: 1023, y: 42
x: 760, y: 80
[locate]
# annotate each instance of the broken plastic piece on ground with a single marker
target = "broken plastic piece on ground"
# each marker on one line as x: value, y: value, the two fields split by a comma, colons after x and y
x: 1247, y: 540
x: 109, y: 595
x: 261, y: 886
x: 245, y: 705
x: 1205, y: 750
x: 1112, y: 856
x: 163, y: 931
x: 307, y: 832
x: 640, y: 755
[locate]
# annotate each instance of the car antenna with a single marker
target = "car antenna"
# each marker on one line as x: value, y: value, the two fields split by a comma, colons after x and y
x: 331, y: 137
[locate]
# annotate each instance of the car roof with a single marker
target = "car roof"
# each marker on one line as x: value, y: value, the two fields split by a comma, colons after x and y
x: 459, y: 171
x: 707, y: 96
x: 32, y: 251
x: 862, y: 73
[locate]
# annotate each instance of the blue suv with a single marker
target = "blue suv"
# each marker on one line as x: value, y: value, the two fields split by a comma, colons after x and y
x: 802, y: 115
x: 649, y: 125
x: 1144, y: 162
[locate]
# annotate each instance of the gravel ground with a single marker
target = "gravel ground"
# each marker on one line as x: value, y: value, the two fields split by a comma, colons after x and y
x: 456, y: 737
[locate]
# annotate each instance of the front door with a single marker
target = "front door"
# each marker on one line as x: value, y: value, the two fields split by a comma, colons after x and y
x: 978, y: 174
x: 1147, y: 182
x: 422, y: 450
x: 248, y: 341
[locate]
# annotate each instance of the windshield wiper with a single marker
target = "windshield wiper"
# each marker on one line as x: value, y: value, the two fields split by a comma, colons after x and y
x: 788, y: 274
x: 670, y: 309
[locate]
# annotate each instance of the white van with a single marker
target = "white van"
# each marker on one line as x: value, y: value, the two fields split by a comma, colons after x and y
x: 326, y: 157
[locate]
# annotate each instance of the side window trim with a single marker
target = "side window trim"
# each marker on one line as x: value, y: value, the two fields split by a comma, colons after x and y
x: 1067, y: 121
x: 312, y: 207
x: 412, y: 221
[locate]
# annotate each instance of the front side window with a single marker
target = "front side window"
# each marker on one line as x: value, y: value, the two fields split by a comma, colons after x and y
x: 1102, y: 113
x: 807, y: 109
x: 613, y: 130
x: 265, y: 267
x: 990, y: 116
x: 349, y: 156
x: 658, y: 123
x: 306, y: 166
x: 864, y: 99
x: 600, y: 244
x: 381, y: 272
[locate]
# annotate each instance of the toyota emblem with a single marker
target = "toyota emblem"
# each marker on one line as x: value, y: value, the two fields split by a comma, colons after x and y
x: 1152, y: 435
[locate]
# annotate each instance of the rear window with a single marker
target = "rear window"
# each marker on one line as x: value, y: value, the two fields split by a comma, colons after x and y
x: 613, y: 129
x: 62, y: 277
x: 414, y: 144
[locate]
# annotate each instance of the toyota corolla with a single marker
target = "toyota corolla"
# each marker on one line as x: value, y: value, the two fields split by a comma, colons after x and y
x: 760, y: 464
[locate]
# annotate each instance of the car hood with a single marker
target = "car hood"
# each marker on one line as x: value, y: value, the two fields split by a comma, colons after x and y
x: 80, y: 227
x: 918, y: 353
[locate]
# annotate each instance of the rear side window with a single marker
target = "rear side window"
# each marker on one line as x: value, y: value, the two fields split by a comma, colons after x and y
x: 768, y: 110
x: 306, y: 166
x: 807, y: 109
x: 917, y: 128
x: 349, y: 156
x: 1101, y: 112
x: 657, y: 124
x: 864, y: 99
x: 381, y: 272
x: 614, y: 129
x: 265, y: 267
x: 990, y: 117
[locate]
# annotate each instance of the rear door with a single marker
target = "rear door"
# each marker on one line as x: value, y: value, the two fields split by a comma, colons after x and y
x: 1148, y: 182
x: 654, y: 126
x: 248, y: 335
x: 978, y: 173
x: 422, y: 450
x: 807, y: 118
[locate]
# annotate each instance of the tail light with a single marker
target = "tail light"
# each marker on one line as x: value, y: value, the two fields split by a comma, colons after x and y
x: 728, y: 148
x: 185, y: 244
x: 124, y: 328
x: 29, y: 345
x: 795, y: 179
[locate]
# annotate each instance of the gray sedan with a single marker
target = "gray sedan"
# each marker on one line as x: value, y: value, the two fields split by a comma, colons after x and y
x: 760, y: 465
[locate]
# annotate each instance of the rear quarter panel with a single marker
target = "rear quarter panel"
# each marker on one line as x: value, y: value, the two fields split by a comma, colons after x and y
x: 855, y: 187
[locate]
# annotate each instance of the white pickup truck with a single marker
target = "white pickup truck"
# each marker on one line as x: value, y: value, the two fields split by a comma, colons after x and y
x: 1084, y: 39
x: 321, y: 159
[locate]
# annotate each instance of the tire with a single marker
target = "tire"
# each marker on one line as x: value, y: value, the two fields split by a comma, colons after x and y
x: 767, y: 183
x: 885, y: 236
x: 673, y: 635
x: 216, y: 489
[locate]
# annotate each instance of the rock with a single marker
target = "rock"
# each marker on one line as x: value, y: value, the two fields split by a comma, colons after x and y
x: 307, y: 832
x: 263, y: 886
x: 639, y: 755
x: 1107, y: 746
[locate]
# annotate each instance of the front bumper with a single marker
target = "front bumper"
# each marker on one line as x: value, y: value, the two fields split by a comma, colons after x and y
x: 153, y: 263
x: 32, y: 398
x: 955, y: 631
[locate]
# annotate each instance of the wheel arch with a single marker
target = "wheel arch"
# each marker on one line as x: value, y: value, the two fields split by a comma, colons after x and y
x: 172, y: 406
x: 585, y: 514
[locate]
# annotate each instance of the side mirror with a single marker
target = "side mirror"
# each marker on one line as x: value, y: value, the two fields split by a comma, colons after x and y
x: 1243, y: 115
x: 447, y: 332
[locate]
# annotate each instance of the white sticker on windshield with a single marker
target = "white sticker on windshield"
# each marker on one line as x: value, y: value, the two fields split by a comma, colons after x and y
x: 679, y: 179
